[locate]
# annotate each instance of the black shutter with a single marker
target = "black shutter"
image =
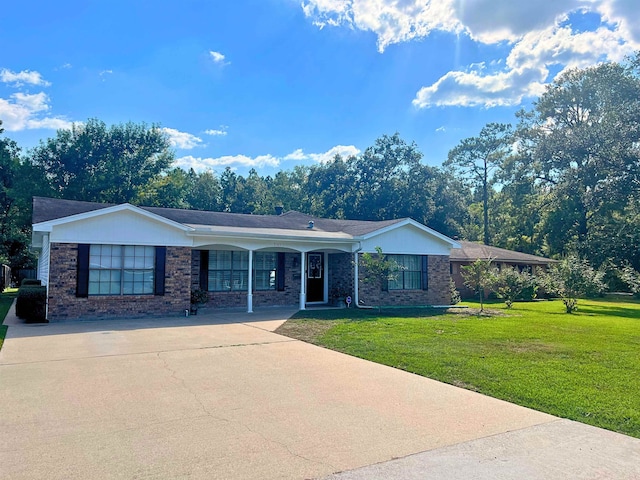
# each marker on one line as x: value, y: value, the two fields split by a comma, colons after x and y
x: 385, y: 284
x: 82, y: 275
x: 280, y: 272
x: 425, y: 272
x: 161, y: 257
x: 204, y: 270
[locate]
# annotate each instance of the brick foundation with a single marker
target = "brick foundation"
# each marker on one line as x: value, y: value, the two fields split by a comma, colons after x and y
x: 63, y: 303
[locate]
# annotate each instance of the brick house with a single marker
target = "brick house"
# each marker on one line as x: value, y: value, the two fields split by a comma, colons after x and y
x: 469, y: 252
x: 100, y: 260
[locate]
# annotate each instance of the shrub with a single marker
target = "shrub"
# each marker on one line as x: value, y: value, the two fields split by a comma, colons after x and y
x: 572, y: 278
x: 510, y: 283
x: 31, y: 303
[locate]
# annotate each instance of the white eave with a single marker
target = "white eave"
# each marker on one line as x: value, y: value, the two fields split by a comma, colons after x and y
x: 48, y: 225
x: 269, y: 233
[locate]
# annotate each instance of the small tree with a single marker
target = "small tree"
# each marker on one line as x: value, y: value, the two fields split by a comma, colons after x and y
x: 379, y: 269
x: 453, y: 291
x: 572, y: 278
x: 510, y: 283
x: 478, y: 276
x: 631, y: 277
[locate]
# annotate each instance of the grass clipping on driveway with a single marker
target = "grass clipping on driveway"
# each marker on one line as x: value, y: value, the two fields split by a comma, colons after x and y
x: 584, y: 366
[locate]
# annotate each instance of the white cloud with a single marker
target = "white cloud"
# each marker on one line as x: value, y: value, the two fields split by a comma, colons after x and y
x: 25, y: 112
x: 218, y: 58
x: 539, y: 34
x: 222, y: 131
x: 344, y: 151
x: 182, y: 140
x: 393, y: 21
x: 24, y: 77
x: 527, y: 68
x: 200, y: 164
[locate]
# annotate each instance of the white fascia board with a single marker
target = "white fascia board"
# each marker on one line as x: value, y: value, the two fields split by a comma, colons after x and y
x: 48, y: 226
x: 272, y: 234
x: 408, y: 221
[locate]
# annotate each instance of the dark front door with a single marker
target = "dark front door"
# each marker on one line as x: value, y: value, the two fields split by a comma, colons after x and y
x: 315, y: 277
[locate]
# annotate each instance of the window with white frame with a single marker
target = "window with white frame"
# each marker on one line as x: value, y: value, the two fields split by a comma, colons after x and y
x: 409, y: 274
x: 121, y: 270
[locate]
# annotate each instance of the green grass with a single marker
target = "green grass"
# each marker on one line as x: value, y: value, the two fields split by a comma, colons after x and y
x: 584, y: 366
x: 6, y: 299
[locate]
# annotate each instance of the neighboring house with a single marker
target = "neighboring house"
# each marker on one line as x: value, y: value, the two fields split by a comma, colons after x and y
x: 102, y: 260
x: 469, y: 252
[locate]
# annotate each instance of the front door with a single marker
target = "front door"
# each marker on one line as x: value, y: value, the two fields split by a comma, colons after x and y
x: 315, y: 277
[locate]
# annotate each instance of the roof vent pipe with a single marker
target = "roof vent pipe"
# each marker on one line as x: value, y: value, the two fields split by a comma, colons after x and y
x: 310, y: 224
x: 279, y: 210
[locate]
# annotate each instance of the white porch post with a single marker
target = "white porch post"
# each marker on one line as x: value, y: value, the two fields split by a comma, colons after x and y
x: 303, y: 279
x: 250, y: 284
x: 355, y: 279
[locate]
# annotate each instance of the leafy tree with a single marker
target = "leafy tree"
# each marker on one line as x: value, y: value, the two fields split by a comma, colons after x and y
x: 571, y: 279
x: 478, y: 276
x: 581, y: 143
x: 93, y: 162
x: 631, y: 277
x: 509, y: 284
x: 478, y: 159
x: 19, y: 181
x: 378, y: 268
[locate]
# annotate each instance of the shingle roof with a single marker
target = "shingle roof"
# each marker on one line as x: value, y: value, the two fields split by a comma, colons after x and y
x: 472, y: 251
x: 46, y: 209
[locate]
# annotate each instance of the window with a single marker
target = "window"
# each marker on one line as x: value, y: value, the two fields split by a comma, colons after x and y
x: 264, y: 270
x: 121, y: 270
x: 409, y: 277
x: 228, y: 271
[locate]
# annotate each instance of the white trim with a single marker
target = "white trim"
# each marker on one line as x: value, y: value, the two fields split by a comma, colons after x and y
x: 48, y: 225
x: 303, y: 280
x: 250, y: 284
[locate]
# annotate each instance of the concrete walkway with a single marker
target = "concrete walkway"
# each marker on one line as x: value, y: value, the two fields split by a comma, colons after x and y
x: 222, y: 396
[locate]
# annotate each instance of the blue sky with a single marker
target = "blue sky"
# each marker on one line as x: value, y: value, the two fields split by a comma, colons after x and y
x: 272, y: 84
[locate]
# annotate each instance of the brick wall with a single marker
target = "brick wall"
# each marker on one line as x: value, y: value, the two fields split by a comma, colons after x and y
x: 437, y: 293
x: 290, y: 295
x: 63, y: 303
x: 341, y: 279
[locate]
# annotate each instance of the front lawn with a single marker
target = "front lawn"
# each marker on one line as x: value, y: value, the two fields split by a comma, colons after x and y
x: 584, y: 366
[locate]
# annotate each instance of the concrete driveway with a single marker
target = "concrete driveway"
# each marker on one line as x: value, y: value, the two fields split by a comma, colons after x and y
x: 222, y: 396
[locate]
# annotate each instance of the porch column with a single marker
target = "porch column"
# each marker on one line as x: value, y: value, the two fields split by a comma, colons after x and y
x: 250, y: 284
x: 355, y: 279
x: 303, y: 279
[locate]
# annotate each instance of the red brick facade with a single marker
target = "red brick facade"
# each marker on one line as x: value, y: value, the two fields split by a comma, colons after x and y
x: 436, y: 294
x: 289, y: 296
x: 182, y: 274
x: 63, y: 303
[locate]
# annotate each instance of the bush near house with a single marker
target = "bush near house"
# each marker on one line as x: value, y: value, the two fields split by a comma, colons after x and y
x: 31, y: 303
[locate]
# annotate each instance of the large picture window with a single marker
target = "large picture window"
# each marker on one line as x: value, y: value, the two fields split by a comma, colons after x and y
x: 409, y: 277
x: 121, y: 270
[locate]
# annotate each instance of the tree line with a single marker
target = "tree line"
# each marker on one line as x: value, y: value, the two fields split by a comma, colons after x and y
x: 563, y: 179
